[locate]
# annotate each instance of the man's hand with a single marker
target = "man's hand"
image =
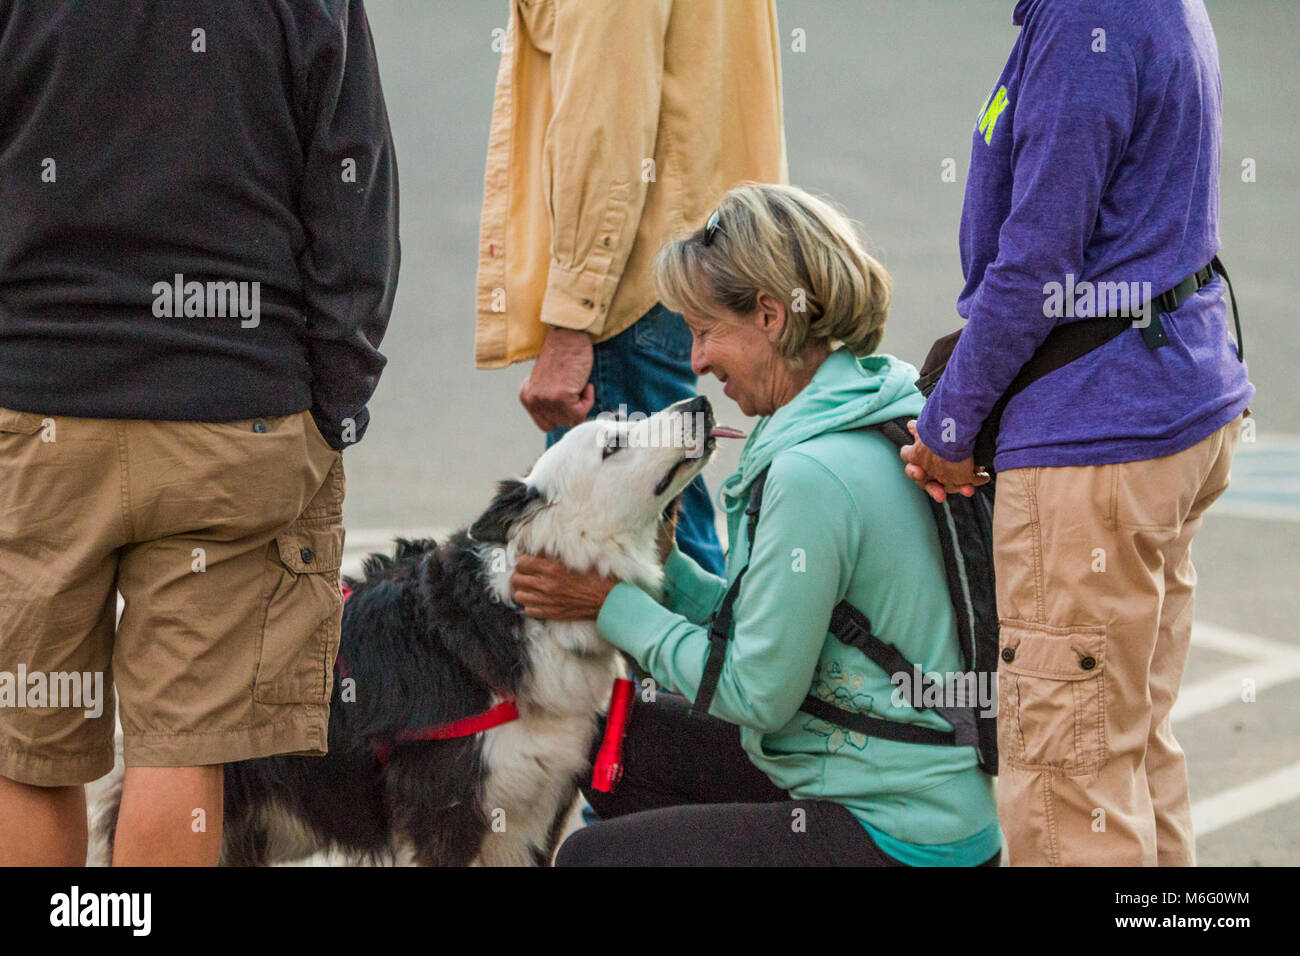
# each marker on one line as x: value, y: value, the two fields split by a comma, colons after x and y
x: 546, y: 589
x: 556, y: 392
x: 937, y: 476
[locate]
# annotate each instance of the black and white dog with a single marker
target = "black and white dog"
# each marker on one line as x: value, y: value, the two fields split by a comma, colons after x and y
x: 431, y: 636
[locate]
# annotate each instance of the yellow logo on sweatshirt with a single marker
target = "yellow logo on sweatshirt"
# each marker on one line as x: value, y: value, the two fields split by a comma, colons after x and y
x: 991, y: 110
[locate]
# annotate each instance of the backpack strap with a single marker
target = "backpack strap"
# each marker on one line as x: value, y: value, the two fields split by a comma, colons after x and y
x: 849, y: 625
x: 1217, y: 265
x: 874, y: 726
x: 852, y: 627
x: 896, y: 429
x: 720, y: 622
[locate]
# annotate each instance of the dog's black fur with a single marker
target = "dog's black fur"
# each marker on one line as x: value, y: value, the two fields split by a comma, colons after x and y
x: 429, y: 636
x: 424, y: 643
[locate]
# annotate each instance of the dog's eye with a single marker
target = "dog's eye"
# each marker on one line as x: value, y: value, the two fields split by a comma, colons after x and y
x: 611, y: 446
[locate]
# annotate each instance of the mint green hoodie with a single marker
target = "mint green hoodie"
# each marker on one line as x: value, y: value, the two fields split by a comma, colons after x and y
x: 840, y: 520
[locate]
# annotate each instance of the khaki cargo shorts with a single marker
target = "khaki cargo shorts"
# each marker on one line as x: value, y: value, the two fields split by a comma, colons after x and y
x: 224, y: 540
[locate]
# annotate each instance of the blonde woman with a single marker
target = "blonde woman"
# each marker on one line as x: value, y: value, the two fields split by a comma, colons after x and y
x: 786, y: 308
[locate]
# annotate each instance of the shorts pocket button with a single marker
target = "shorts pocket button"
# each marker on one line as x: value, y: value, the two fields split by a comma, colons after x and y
x: 1008, y: 654
x: 308, y: 556
x: 259, y: 426
x: 1088, y: 663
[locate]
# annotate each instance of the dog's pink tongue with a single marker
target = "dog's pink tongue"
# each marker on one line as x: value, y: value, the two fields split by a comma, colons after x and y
x: 726, y: 431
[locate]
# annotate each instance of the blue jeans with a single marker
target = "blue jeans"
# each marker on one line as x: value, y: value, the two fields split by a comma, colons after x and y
x: 645, y: 368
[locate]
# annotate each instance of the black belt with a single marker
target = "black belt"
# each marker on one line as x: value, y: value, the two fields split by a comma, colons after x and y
x: 1070, y: 341
x: 1074, y: 339
x: 1170, y: 300
x: 1153, y: 333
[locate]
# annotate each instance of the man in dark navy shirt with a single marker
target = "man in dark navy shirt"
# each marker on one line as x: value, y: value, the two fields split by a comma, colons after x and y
x: 198, y: 257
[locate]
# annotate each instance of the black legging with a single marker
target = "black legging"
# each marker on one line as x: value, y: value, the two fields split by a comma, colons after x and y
x: 690, y: 797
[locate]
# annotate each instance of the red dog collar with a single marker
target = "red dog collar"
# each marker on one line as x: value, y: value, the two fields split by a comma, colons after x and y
x: 609, y: 761
x: 502, y: 713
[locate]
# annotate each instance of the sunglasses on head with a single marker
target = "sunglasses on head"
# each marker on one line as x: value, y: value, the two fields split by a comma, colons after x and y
x: 711, y: 228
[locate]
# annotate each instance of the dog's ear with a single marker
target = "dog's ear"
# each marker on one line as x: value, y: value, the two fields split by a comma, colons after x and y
x: 510, y: 504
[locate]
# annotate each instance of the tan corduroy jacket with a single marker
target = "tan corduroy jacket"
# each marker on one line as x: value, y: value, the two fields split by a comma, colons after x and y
x: 616, y: 126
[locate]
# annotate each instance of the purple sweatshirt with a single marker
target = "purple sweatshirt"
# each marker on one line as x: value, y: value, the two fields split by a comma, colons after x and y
x: 1095, y: 161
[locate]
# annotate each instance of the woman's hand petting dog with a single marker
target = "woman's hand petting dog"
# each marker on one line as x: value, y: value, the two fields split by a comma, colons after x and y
x: 937, y: 476
x: 547, y: 589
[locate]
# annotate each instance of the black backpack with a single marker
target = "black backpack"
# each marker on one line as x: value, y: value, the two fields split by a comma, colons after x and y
x: 965, y: 528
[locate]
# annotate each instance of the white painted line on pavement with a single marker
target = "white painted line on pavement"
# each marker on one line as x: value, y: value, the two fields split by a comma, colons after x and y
x: 1229, y: 641
x: 381, y: 539
x: 1232, y: 806
x: 1268, y: 663
x: 1265, y: 480
x: 360, y: 544
x: 1225, y: 687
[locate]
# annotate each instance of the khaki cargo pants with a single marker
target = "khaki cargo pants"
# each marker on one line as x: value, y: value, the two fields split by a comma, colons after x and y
x: 1094, y: 587
x: 224, y: 540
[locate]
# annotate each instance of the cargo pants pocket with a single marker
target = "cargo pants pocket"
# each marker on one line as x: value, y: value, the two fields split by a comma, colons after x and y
x: 300, y: 638
x: 1051, y: 697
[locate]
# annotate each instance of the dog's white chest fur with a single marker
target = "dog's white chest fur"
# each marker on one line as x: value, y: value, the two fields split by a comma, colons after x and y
x: 531, y: 762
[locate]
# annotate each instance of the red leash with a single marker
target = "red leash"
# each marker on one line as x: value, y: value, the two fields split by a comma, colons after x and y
x: 609, y: 759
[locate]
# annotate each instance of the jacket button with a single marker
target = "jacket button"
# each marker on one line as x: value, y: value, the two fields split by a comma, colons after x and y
x: 259, y: 426
x: 1008, y: 654
x: 1088, y: 663
x: 307, y: 555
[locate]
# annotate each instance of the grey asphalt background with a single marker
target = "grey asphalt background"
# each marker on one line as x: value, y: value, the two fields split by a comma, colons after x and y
x: 885, y: 92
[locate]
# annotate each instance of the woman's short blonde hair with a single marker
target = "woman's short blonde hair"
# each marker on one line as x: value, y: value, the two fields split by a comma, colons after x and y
x: 795, y: 247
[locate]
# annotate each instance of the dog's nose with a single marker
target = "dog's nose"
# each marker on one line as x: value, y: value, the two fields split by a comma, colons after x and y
x: 699, y: 405
x: 699, y: 412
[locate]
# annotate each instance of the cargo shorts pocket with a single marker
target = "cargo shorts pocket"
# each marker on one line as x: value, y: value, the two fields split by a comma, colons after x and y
x: 20, y: 423
x: 1051, y: 697
x: 300, y: 637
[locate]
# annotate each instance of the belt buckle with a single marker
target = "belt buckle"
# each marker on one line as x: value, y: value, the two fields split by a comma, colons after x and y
x: 1153, y: 332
